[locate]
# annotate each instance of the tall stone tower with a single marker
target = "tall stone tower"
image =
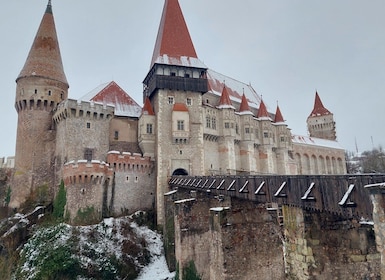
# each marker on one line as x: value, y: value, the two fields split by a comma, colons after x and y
x: 174, y: 86
x: 321, y: 123
x: 41, y: 86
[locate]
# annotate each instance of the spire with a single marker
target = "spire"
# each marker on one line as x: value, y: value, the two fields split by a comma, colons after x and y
x: 278, y: 116
x: 225, y: 102
x: 244, y: 108
x: 49, y: 8
x: 319, y: 109
x: 262, y: 111
x: 173, y: 37
x: 44, y: 59
x: 147, y: 108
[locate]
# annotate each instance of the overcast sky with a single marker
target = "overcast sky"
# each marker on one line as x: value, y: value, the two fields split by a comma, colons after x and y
x: 286, y: 49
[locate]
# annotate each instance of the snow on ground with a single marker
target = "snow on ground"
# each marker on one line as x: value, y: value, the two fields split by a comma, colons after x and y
x: 157, y: 269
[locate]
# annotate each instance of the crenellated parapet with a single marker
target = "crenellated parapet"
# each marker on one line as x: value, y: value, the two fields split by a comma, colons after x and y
x: 83, y: 172
x: 83, y: 109
x: 130, y: 162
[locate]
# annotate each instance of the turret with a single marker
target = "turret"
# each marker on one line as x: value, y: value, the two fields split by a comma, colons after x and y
x: 41, y: 86
x: 320, y: 122
x: 147, y: 129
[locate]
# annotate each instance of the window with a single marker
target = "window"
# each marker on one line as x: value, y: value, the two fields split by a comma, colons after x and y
x: 208, y: 122
x: 88, y: 154
x: 213, y: 123
x: 247, y: 130
x: 171, y: 100
x: 187, y: 75
x: 173, y: 74
x: 116, y: 136
x: 282, y: 139
x: 180, y: 125
x: 49, y: 93
x: 189, y: 101
x: 149, y: 128
x: 236, y: 129
x: 266, y: 135
x: 88, y: 125
x: 35, y: 91
x: 227, y: 125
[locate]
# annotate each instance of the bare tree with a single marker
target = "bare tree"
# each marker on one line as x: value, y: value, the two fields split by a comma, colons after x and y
x: 373, y: 161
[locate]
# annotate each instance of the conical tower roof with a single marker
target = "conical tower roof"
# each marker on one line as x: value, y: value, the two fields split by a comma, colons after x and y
x: 225, y: 102
x: 147, y: 107
x: 173, y: 43
x: 262, y: 111
x: 319, y: 109
x: 278, y: 116
x: 244, y: 109
x: 44, y: 59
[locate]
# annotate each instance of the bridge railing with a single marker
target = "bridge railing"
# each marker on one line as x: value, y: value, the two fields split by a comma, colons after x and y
x: 339, y: 194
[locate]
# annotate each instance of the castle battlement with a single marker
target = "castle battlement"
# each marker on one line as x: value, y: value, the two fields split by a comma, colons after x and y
x: 85, y: 172
x: 129, y: 162
x: 72, y: 108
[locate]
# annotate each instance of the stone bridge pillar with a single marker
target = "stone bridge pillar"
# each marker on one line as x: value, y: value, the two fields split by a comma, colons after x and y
x: 377, y: 195
x: 320, y: 245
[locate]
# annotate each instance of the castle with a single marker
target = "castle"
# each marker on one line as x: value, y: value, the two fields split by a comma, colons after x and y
x: 116, y: 156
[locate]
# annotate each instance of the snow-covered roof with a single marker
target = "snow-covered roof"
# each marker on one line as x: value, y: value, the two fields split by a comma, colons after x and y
x: 180, y: 61
x: 111, y: 94
x: 306, y: 140
x: 234, y: 87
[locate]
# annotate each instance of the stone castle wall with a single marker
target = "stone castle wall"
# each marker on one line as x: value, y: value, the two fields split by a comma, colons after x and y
x: 88, y: 186
x: 134, y: 182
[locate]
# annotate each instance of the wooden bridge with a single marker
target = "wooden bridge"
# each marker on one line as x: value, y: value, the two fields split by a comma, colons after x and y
x: 343, y: 195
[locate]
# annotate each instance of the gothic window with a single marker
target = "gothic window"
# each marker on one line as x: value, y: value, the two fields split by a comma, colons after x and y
x: 171, y: 100
x: 149, y: 128
x: 88, y: 154
x: 208, y: 122
x: 213, y: 123
x: 180, y: 125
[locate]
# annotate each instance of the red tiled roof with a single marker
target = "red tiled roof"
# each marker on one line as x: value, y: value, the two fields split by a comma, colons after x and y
x: 278, y: 116
x: 244, y: 104
x: 173, y: 37
x: 262, y: 111
x: 112, y: 94
x: 147, y: 108
x: 319, y: 109
x: 225, y: 98
x: 44, y: 59
x: 180, y: 107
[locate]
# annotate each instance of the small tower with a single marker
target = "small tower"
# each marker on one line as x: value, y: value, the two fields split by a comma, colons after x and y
x: 228, y: 127
x: 41, y: 86
x: 320, y: 123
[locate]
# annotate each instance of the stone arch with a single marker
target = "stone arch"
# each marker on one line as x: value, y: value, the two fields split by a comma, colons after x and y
x: 306, y: 160
x: 314, y: 165
x: 180, y: 172
x: 299, y: 163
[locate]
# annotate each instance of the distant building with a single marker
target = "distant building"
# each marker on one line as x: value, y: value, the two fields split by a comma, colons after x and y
x: 116, y: 156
